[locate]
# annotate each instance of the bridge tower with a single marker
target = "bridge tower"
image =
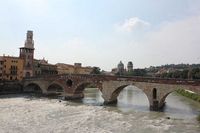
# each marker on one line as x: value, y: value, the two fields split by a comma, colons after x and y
x: 27, y: 54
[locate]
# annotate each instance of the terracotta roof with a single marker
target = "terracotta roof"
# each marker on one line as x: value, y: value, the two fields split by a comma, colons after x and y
x: 13, y: 57
x: 69, y: 65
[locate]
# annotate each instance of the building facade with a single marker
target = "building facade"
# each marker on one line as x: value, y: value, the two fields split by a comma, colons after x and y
x: 27, y: 54
x: 1, y: 68
x: 17, y: 68
x: 11, y: 68
x: 73, y: 69
x: 42, y: 67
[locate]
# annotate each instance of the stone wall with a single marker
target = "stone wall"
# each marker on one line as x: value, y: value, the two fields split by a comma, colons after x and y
x: 10, y: 87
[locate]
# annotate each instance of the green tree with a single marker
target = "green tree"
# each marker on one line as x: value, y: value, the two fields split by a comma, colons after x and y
x: 184, y: 74
x: 139, y: 72
x: 195, y: 73
x: 96, y: 70
x: 130, y: 73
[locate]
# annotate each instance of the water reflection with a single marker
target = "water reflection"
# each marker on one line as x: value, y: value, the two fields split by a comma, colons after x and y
x: 92, y: 96
x: 133, y: 99
x: 181, y: 107
x: 129, y: 99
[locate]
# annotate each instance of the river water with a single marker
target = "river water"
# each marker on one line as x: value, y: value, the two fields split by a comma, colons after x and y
x: 26, y: 113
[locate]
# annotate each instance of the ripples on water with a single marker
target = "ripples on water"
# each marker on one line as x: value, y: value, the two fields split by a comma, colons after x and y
x: 132, y: 102
x: 131, y: 114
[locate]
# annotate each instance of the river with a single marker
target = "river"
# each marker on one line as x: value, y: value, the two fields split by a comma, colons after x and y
x: 26, y: 113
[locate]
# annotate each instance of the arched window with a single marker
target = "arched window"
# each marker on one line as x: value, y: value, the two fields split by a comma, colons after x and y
x: 154, y: 93
x: 28, y: 65
x: 69, y: 82
x: 28, y: 74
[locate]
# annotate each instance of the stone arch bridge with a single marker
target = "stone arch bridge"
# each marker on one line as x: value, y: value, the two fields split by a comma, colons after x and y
x: 72, y: 86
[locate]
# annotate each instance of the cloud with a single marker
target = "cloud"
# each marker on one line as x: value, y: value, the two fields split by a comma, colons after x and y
x: 132, y: 24
x: 173, y: 42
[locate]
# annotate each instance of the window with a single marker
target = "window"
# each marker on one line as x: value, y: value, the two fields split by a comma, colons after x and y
x: 28, y: 74
x: 28, y: 64
x: 154, y: 93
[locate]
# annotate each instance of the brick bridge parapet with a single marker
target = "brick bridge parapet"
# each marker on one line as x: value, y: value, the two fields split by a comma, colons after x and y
x: 73, y: 85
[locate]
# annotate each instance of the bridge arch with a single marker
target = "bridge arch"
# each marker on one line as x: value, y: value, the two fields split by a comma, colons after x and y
x: 118, y: 90
x: 163, y: 98
x: 33, y: 88
x: 55, y: 88
x: 81, y: 86
x: 171, y: 89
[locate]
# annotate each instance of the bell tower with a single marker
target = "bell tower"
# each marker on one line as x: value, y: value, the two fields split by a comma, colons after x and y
x: 27, y: 54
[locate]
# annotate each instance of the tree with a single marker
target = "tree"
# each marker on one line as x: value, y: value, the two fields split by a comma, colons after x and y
x: 139, y: 72
x: 96, y: 70
x: 195, y: 73
x: 130, y: 73
x: 184, y: 74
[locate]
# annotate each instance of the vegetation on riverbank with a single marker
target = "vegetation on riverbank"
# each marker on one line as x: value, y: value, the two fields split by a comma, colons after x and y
x: 191, y: 95
x: 198, y: 118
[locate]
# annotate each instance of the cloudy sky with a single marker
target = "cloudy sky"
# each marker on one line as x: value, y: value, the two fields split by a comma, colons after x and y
x: 103, y: 32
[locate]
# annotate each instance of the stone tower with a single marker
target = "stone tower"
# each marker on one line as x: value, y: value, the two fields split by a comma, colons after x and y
x: 27, y: 53
x: 130, y: 66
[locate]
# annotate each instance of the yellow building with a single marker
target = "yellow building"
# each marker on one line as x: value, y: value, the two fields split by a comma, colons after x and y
x: 12, y: 68
x: 73, y: 69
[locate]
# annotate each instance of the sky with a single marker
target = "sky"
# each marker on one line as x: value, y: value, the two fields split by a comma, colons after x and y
x: 104, y: 32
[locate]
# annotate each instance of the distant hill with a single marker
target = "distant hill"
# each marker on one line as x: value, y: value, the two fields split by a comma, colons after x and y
x: 183, y: 71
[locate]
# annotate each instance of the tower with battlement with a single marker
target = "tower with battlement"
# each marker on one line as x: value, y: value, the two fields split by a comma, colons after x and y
x: 27, y: 54
x: 130, y: 66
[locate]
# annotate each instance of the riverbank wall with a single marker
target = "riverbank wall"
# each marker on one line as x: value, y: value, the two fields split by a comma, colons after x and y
x: 8, y: 87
